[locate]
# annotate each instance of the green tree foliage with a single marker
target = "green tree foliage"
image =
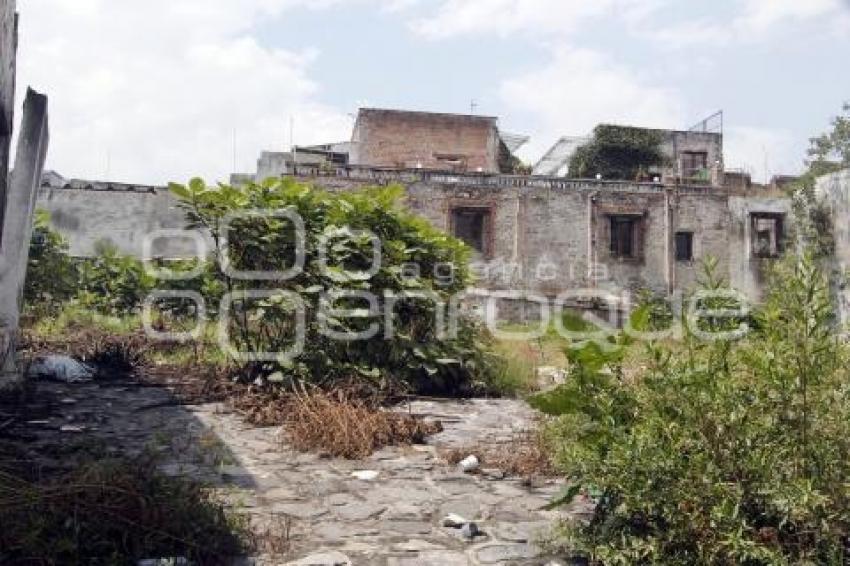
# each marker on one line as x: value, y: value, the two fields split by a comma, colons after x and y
x: 719, y: 452
x: 108, y: 283
x: 51, y: 274
x: 413, y: 266
x: 618, y: 152
x: 112, y: 284
x: 830, y: 151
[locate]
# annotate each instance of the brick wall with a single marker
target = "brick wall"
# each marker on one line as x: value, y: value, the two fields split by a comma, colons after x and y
x: 390, y: 138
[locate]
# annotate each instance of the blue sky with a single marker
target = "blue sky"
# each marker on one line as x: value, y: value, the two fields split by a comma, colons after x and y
x: 166, y: 89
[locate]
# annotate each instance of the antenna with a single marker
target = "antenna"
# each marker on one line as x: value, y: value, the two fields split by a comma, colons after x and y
x: 234, y: 150
x: 473, y: 106
x: 766, y: 166
x: 292, y: 147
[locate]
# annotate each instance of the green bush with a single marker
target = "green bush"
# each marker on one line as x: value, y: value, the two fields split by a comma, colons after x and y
x: 51, y: 274
x: 412, y: 253
x: 109, y: 284
x: 113, y: 284
x: 720, y: 452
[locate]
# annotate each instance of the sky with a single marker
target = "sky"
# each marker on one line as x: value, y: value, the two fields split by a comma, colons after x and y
x: 164, y: 90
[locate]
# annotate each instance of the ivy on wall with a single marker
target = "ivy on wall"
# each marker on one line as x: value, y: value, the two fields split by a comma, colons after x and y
x: 618, y: 152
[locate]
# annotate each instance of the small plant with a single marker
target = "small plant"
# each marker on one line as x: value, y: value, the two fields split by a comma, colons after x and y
x: 527, y: 455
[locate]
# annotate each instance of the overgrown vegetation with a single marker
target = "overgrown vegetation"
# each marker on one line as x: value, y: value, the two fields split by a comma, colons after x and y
x: 722, y: 452
x: 51, y: 274
x: 618, y: 152
x: 528, y: 455
x: 418, y: 267
x: 393, y: 308
x: 114, y: 512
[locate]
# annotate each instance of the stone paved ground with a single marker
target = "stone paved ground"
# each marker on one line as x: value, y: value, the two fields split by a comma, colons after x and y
x: 332, y: 516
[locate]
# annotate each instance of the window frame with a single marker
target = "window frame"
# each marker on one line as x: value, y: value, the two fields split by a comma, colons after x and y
x: 635, y: 237
x: 691, y: 172
x: 777, y: 246
x: 689, y: 234
x: 487, y: 215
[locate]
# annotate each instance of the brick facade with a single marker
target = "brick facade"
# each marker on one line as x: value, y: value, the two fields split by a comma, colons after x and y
x: 401, y: 139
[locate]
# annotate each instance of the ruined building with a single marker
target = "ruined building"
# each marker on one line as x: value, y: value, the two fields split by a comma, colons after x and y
x: 534, y: 235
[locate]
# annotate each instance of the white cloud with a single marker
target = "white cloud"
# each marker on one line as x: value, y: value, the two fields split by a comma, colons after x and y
x: 760, y: 16
x: 750, y: 20
x: 153, y: 91
x: 505, y: 17
x: 581, y: 88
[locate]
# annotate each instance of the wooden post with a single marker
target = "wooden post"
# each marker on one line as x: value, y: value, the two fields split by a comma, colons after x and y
x: 17, y: 192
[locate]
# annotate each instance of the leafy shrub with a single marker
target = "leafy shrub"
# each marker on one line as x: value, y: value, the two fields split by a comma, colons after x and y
x: 51, y: 274
x: 721, y: 452
x: 109, y: 283
x: 412, y: 256
x: 113, y: 284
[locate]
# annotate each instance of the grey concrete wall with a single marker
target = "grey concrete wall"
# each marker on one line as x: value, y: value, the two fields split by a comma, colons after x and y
x: 677, y: 142
x: 90, y: 218
x: 834, y: 191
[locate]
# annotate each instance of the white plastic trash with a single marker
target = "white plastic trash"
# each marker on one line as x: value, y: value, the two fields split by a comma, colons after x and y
x: 469, y: 464
x: 60, y: 368
x: 366, y: 475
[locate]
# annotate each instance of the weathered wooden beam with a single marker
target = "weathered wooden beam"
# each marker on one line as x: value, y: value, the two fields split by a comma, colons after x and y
x: 8, y: 48
x: 17, y: 226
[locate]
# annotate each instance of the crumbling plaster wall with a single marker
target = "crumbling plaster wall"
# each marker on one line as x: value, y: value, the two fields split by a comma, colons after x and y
x: 834, y: 191
x: 544, y: 238
x: 746, y: 271
x: 676, y: 142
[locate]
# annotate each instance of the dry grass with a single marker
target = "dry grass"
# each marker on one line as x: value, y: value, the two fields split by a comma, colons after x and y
x: 264, y: 407
x: 526, y: 456
x: 113, y: 355
x: 274, y: 535
x: 338, y: 425
x: 109, y: 512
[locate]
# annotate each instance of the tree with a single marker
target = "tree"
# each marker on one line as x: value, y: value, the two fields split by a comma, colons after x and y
x: 830, y: 151
x: 618, y: 152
